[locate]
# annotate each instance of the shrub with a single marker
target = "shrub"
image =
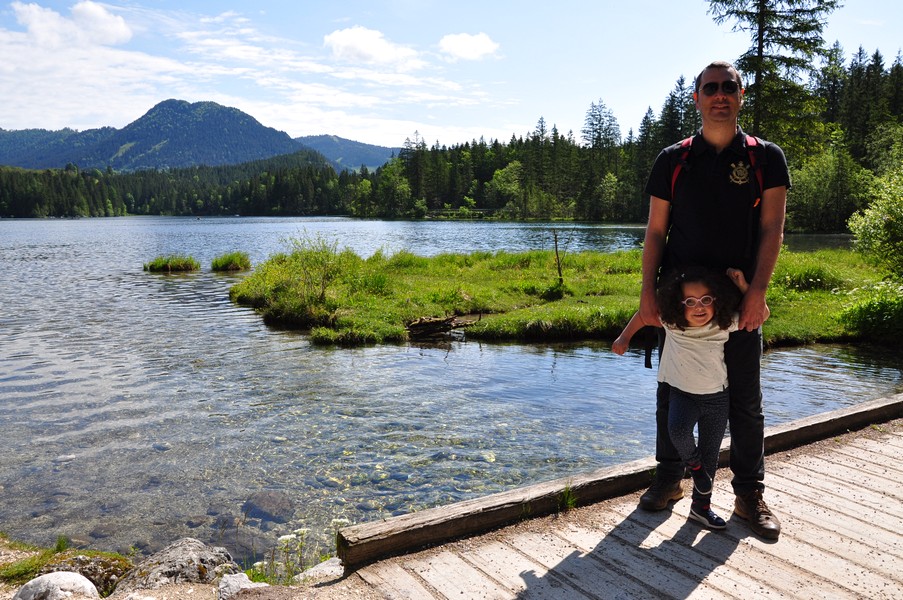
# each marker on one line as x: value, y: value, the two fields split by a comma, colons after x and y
x: 233, y: 261
x: 879, y: 228
x: 878, y: 316
x: 172, y: 263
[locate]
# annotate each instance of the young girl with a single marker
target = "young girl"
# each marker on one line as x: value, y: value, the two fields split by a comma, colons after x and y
x: 698, y: 309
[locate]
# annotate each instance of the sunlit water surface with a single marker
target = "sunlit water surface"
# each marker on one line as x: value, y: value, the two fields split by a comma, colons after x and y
x: 138, y: 408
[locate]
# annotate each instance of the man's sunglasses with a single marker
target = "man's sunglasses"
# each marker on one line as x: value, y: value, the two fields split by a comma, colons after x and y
x: 728, y: 87
x: 692, y: 302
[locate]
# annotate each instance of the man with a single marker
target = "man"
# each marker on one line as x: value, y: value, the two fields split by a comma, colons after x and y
x: 714, y: 214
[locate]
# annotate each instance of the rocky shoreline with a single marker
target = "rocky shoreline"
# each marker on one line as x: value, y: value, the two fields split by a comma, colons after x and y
x: 185, y: 570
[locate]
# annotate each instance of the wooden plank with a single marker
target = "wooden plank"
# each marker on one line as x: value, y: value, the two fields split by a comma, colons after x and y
x: 453, y: 578
x: 869, y: 460
x: 893, y: 440
x: 855, y: 478
x: 877, y: 553
x: 874, y: 446
x: 700, y: 575
x: 580, y: 571
x: 819, y: 482
x: 526, y: 578
x: 609, y: 548
x: 394, y: 583
x: 824, y: 511
x: 753, y: 564
x: 844, y: 570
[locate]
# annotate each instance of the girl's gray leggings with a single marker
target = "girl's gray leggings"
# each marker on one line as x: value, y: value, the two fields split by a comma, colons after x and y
x: 710, y: 412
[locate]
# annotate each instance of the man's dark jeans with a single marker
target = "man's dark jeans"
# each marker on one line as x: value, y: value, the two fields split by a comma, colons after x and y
x: 743, y: 355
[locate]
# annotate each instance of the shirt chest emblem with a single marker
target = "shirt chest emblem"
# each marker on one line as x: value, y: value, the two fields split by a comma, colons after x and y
x: 740, y: 174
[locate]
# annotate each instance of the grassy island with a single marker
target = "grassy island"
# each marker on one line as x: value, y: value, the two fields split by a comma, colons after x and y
x: 233, y: 261
x: 173, y: 263
x: 341, y: 298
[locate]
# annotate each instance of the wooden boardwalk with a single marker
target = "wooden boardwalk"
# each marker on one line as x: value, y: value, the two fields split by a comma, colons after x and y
x: 840, y: 502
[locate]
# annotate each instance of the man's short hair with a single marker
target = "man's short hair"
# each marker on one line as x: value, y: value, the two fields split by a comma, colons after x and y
x: 719, y: 64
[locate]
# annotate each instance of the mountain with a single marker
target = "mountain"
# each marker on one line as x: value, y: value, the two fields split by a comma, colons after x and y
x: 349, y: 154
x: 174, y: 134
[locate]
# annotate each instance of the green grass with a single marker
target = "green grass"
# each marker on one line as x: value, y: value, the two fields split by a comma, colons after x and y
x: 172, y: 263
x: 811, y: 291
x: 344, y: 299
x: 233, y: 261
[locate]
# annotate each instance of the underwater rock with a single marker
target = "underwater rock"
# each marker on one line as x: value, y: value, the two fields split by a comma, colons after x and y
x: 269, y: 505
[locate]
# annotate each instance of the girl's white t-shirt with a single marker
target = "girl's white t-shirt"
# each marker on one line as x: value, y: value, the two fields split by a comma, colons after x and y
x: 692, y: 360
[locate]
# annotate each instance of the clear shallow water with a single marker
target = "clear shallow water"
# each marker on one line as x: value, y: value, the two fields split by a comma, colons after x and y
x: 137, y: 408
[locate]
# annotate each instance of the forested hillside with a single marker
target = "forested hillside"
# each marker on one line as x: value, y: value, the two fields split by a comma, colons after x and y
x: 348, y: 154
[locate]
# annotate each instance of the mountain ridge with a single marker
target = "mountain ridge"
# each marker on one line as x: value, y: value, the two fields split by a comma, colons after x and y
x: 174, y: 134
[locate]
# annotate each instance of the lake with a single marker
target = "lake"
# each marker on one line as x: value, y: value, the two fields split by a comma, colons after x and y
x: 138, y: 408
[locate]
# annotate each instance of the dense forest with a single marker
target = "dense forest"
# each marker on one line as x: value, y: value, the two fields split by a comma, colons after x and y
x: 839, y: 121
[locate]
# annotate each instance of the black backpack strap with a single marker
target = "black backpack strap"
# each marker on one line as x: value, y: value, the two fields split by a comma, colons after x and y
x: 650, y: 341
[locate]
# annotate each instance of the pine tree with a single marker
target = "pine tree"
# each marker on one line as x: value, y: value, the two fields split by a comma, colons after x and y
x: 786, y: 36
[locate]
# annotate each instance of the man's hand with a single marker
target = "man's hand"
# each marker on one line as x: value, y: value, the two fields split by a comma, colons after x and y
x: 649, y: 310
x: 753, y: 311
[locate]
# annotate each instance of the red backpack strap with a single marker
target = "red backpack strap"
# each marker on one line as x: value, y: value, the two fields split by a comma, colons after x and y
x: 751, y: 143
x: 686, y: 145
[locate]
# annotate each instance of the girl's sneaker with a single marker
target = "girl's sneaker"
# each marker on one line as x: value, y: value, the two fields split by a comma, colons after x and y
x: 707, y: 517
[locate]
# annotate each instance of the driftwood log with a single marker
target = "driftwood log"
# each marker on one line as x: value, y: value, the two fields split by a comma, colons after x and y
x: 430, y: 326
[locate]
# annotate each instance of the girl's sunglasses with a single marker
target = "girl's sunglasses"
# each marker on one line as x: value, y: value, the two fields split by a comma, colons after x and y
x: 704, y: 301
x: 728, y: 87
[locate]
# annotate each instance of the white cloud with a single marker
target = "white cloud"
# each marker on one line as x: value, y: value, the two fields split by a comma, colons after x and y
x: 361, y: 45
x: 90, y: 67
x: 228, y: 16
x: 91, y: 24
x: 464, y: 46
x: 99, y: 25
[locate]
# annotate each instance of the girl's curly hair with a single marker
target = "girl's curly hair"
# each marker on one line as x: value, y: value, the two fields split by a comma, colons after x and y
x: 670, y: 295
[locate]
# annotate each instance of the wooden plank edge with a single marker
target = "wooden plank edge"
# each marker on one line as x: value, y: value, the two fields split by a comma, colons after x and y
x: 362, y: 544
x: 818, y: 427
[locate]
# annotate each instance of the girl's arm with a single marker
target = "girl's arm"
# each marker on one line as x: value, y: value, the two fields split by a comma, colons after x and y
x: 620, y: 345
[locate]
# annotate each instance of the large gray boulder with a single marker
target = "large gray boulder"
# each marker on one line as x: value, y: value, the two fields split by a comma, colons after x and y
x: 185, y: 561
x: 328, y: 569
x: 231, y: 585
x: 62, y: 585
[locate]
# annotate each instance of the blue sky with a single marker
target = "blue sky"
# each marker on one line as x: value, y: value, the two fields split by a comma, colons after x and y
x: 375, y: 71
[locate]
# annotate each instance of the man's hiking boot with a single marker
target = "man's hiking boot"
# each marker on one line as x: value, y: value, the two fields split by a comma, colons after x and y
x: 751, y: 507
x: 706, y: 516
x: 660, y: 494
x: 702, y: 483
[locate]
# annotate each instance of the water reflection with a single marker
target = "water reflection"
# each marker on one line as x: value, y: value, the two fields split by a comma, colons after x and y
x: 137, y: 408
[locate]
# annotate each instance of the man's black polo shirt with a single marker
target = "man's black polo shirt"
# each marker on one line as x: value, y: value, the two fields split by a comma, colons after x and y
x: 714, y: 219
